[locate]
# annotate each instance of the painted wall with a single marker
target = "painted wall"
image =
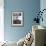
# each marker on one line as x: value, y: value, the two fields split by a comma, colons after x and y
x: 29, y: 7
x: 43, y: 6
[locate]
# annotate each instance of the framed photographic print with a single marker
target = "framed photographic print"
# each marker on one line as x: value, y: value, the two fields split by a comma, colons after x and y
x: 17, y: 19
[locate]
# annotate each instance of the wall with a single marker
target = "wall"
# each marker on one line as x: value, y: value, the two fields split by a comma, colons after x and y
x: 43, y: 6
x: 29, y: 7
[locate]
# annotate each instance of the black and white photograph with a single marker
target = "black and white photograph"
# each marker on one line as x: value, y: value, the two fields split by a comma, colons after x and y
x: 17, y: 18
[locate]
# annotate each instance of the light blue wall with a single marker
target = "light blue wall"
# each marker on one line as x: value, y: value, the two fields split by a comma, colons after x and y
x: 43, y: 6
x: 29, y: 7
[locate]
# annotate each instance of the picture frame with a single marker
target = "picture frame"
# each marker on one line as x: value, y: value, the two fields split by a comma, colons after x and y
x: 17, y: 18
